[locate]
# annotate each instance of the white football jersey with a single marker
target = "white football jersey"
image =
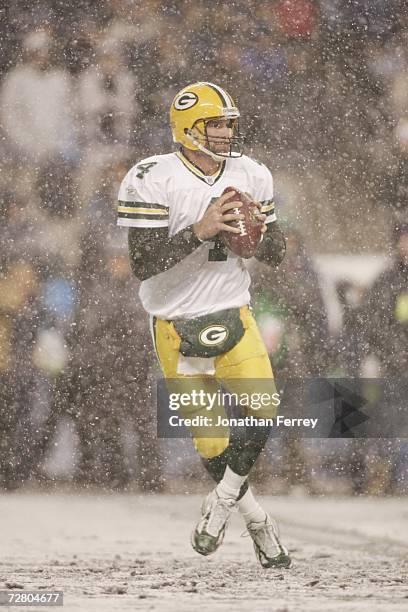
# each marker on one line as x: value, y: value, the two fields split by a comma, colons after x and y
x: 169, y: 191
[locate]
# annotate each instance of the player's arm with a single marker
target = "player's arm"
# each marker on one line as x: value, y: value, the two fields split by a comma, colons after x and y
x: 153, y: 251
x: 272, y: 249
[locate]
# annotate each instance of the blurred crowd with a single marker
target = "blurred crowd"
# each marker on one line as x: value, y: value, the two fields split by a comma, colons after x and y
x: 85, y: 89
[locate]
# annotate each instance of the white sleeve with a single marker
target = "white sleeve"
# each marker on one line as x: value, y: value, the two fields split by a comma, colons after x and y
x: 142, y: 200
x: 264, y: 195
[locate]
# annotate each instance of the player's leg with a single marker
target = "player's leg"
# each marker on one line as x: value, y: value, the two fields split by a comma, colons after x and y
x: 210, y: 442
x: 247, y: 369
x: 247, y: 360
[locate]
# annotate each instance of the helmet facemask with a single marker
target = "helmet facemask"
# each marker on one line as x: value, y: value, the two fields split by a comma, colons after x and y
x: 233, y: 145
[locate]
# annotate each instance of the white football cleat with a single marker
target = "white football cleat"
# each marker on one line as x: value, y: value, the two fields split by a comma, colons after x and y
x: 268, y: 548
x: 210, y: 530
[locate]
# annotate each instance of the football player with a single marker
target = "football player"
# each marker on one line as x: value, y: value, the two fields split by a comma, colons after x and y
x: 196, y: 292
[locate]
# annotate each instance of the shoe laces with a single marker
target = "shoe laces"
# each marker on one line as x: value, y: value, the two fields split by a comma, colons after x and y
x: 268, y: 528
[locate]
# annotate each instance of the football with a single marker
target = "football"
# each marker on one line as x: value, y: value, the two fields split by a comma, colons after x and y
x: 245, y: 243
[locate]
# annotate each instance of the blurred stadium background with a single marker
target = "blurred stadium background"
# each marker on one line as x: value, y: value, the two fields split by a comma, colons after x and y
x: 85, y: 89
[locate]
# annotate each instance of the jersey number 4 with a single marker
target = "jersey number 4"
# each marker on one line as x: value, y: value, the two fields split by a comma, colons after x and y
x: 143, y: 169
x: 218, y: 252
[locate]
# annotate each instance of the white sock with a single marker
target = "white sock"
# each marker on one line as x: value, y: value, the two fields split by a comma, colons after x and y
x: 250, y: 509
x: 230, y: 484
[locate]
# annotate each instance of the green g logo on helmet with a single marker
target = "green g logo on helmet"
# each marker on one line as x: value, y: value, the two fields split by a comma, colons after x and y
x: 185, y: 100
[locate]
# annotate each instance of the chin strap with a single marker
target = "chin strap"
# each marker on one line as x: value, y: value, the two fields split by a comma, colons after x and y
x: 214, y: 156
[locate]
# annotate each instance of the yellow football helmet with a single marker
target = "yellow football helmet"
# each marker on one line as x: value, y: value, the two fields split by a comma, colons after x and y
x: 193, y: 107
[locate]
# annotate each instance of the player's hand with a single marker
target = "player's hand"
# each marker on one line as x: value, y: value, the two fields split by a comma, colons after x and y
x: 217, y: 217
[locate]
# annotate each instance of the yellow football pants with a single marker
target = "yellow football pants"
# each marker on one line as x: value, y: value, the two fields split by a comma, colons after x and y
x: 246, y: 368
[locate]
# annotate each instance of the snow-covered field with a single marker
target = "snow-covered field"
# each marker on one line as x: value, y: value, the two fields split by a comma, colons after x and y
x: 113, y: 552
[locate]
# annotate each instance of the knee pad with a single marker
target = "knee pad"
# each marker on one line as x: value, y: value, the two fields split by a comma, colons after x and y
x: 210, y: 447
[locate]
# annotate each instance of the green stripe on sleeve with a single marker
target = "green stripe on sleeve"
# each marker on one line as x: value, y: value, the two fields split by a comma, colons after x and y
x: 133, y: 204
